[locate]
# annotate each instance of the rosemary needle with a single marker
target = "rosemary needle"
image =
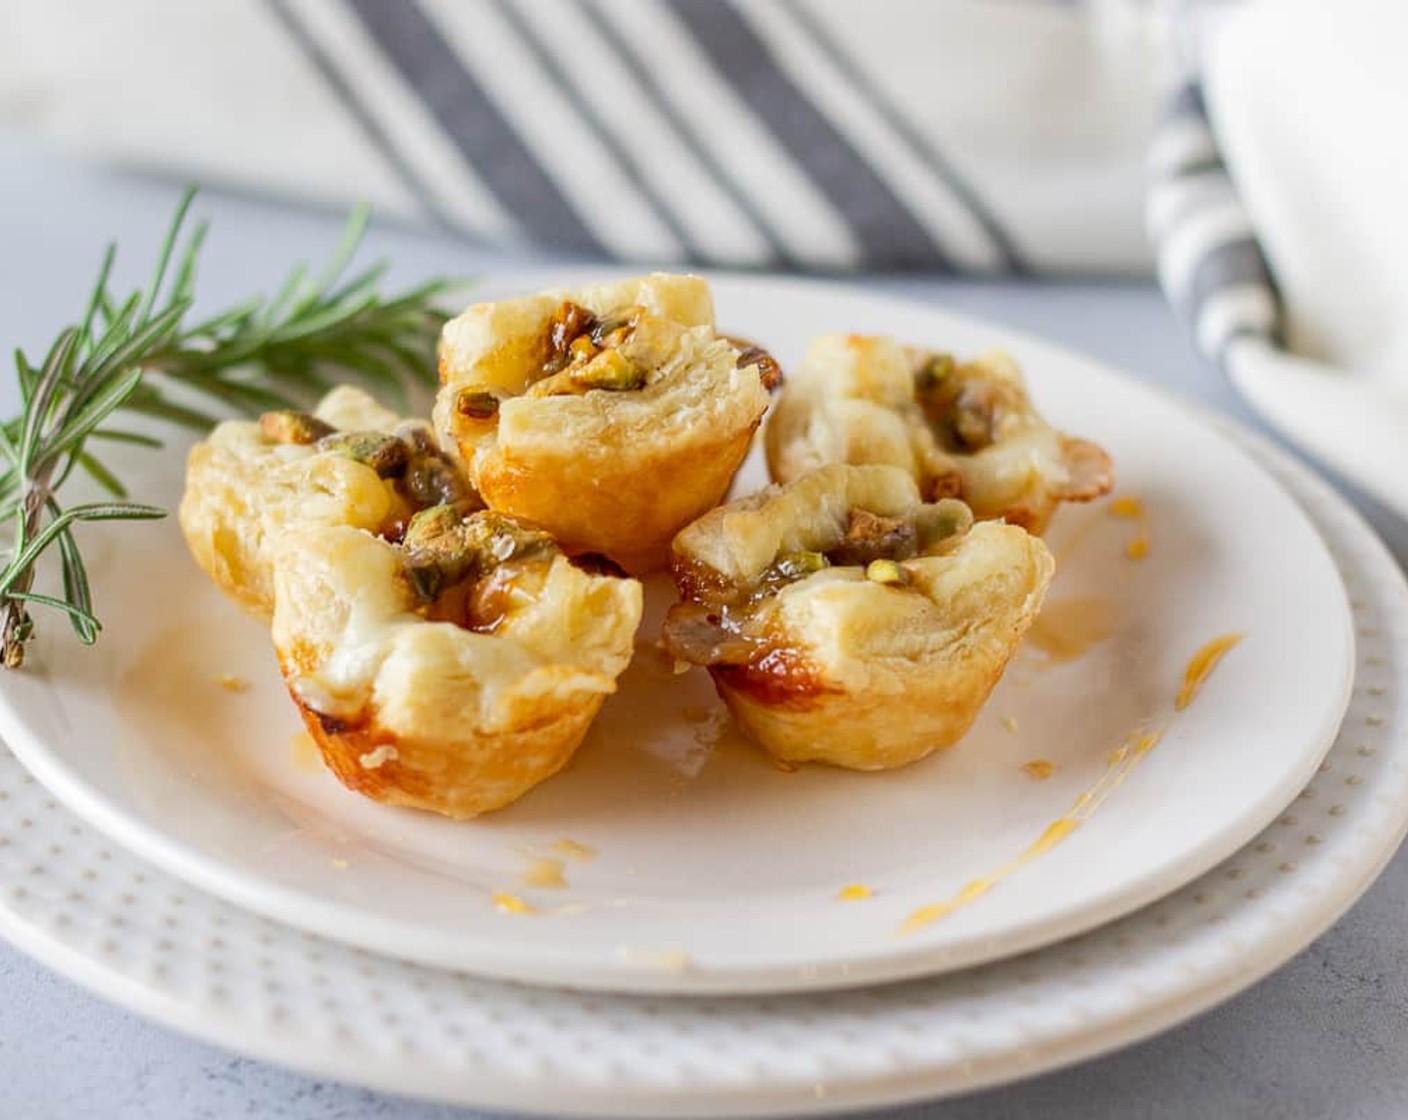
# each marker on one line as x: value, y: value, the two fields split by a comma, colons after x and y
x: 143, y: 354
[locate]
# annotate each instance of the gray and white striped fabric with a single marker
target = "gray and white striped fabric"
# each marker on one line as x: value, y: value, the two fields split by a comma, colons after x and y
x: 673, y: 131
x: 1317, y: 347
x: 1210, y: 265
x: 945, y: 135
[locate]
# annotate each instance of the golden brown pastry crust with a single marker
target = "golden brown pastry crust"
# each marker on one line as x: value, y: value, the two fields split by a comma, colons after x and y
x: 609, y: 472
x: 459, y: 778
x: 842, y: 668
x: 429, y: 714
x: 244, y: 490
x: 855, y: 399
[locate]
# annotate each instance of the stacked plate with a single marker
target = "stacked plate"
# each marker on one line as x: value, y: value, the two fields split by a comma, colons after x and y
x: 676, y: 925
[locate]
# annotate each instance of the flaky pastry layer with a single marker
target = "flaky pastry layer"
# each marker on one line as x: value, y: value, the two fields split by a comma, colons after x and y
x: 609, y: 472
x: 243, y: 491
x: 430, y: 714
x: 864, y: 667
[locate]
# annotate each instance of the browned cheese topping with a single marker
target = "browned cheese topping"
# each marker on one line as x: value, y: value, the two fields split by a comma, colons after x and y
x: 423, y: 474
x: 724, y: 625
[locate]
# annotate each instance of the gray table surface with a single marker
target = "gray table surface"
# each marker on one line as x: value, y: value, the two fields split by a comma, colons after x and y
x: 1327, y: 1035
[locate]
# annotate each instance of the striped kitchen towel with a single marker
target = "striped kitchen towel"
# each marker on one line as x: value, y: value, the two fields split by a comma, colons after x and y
x: 1279, y: 222
x: 1210, y: 264
x: 946, y: 135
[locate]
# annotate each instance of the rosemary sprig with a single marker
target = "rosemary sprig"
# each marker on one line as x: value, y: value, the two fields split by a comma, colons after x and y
x: 142, y: 355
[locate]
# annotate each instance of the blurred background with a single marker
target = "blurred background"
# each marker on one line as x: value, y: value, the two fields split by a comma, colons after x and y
x: 1237, y: 150
x: 944, y: 135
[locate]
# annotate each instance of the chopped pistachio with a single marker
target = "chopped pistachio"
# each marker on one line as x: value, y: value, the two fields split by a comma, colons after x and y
x: 610, y: 370
x: 795, y: 565
x: 477, y: 404
x: 942, y: 521
x: 887, y: 572
x: 444, y: 564
x: 385, y: 454
x: 290, y: 426
x: 558, y: 385
x: 498, y: 537
x: 972, y: 424
x: 769, y: 372
x: 613, y: 329
x: 934, y: 370
x: 429, y: 525
x: 432, y: 479
x: 569, y: 321
x: 427, y: 578
x: 870, y: 536
x: 443, y: 549
x: 418, y: 436
x: 437, y: 552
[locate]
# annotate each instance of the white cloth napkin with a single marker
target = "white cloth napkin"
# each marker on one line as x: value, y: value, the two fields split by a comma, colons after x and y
x: 1290, y: 149
x: 1310, y: 104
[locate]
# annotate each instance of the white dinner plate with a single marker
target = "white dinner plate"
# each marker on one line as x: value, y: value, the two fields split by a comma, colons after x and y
x: 147, y: 941
x: 712, y: 870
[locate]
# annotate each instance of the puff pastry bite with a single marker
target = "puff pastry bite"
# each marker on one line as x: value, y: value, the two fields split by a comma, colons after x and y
x: 349, y: 462
x: 611, y: 416
x: 845, y: 620
x: 960, y: 429
x: 453, y: 671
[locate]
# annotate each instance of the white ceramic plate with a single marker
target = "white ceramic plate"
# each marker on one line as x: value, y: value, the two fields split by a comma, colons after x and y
x: 713, y: 870
x: 155, y: 944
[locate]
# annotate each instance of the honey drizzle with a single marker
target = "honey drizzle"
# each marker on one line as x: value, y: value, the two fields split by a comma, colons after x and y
x: 1121, y: 763
x: 545, y: 872
x: 574, y: 850
x: 306, y: 755
x: 1128, y: 506
x: 510, y: 904
x: 1200, y: 667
